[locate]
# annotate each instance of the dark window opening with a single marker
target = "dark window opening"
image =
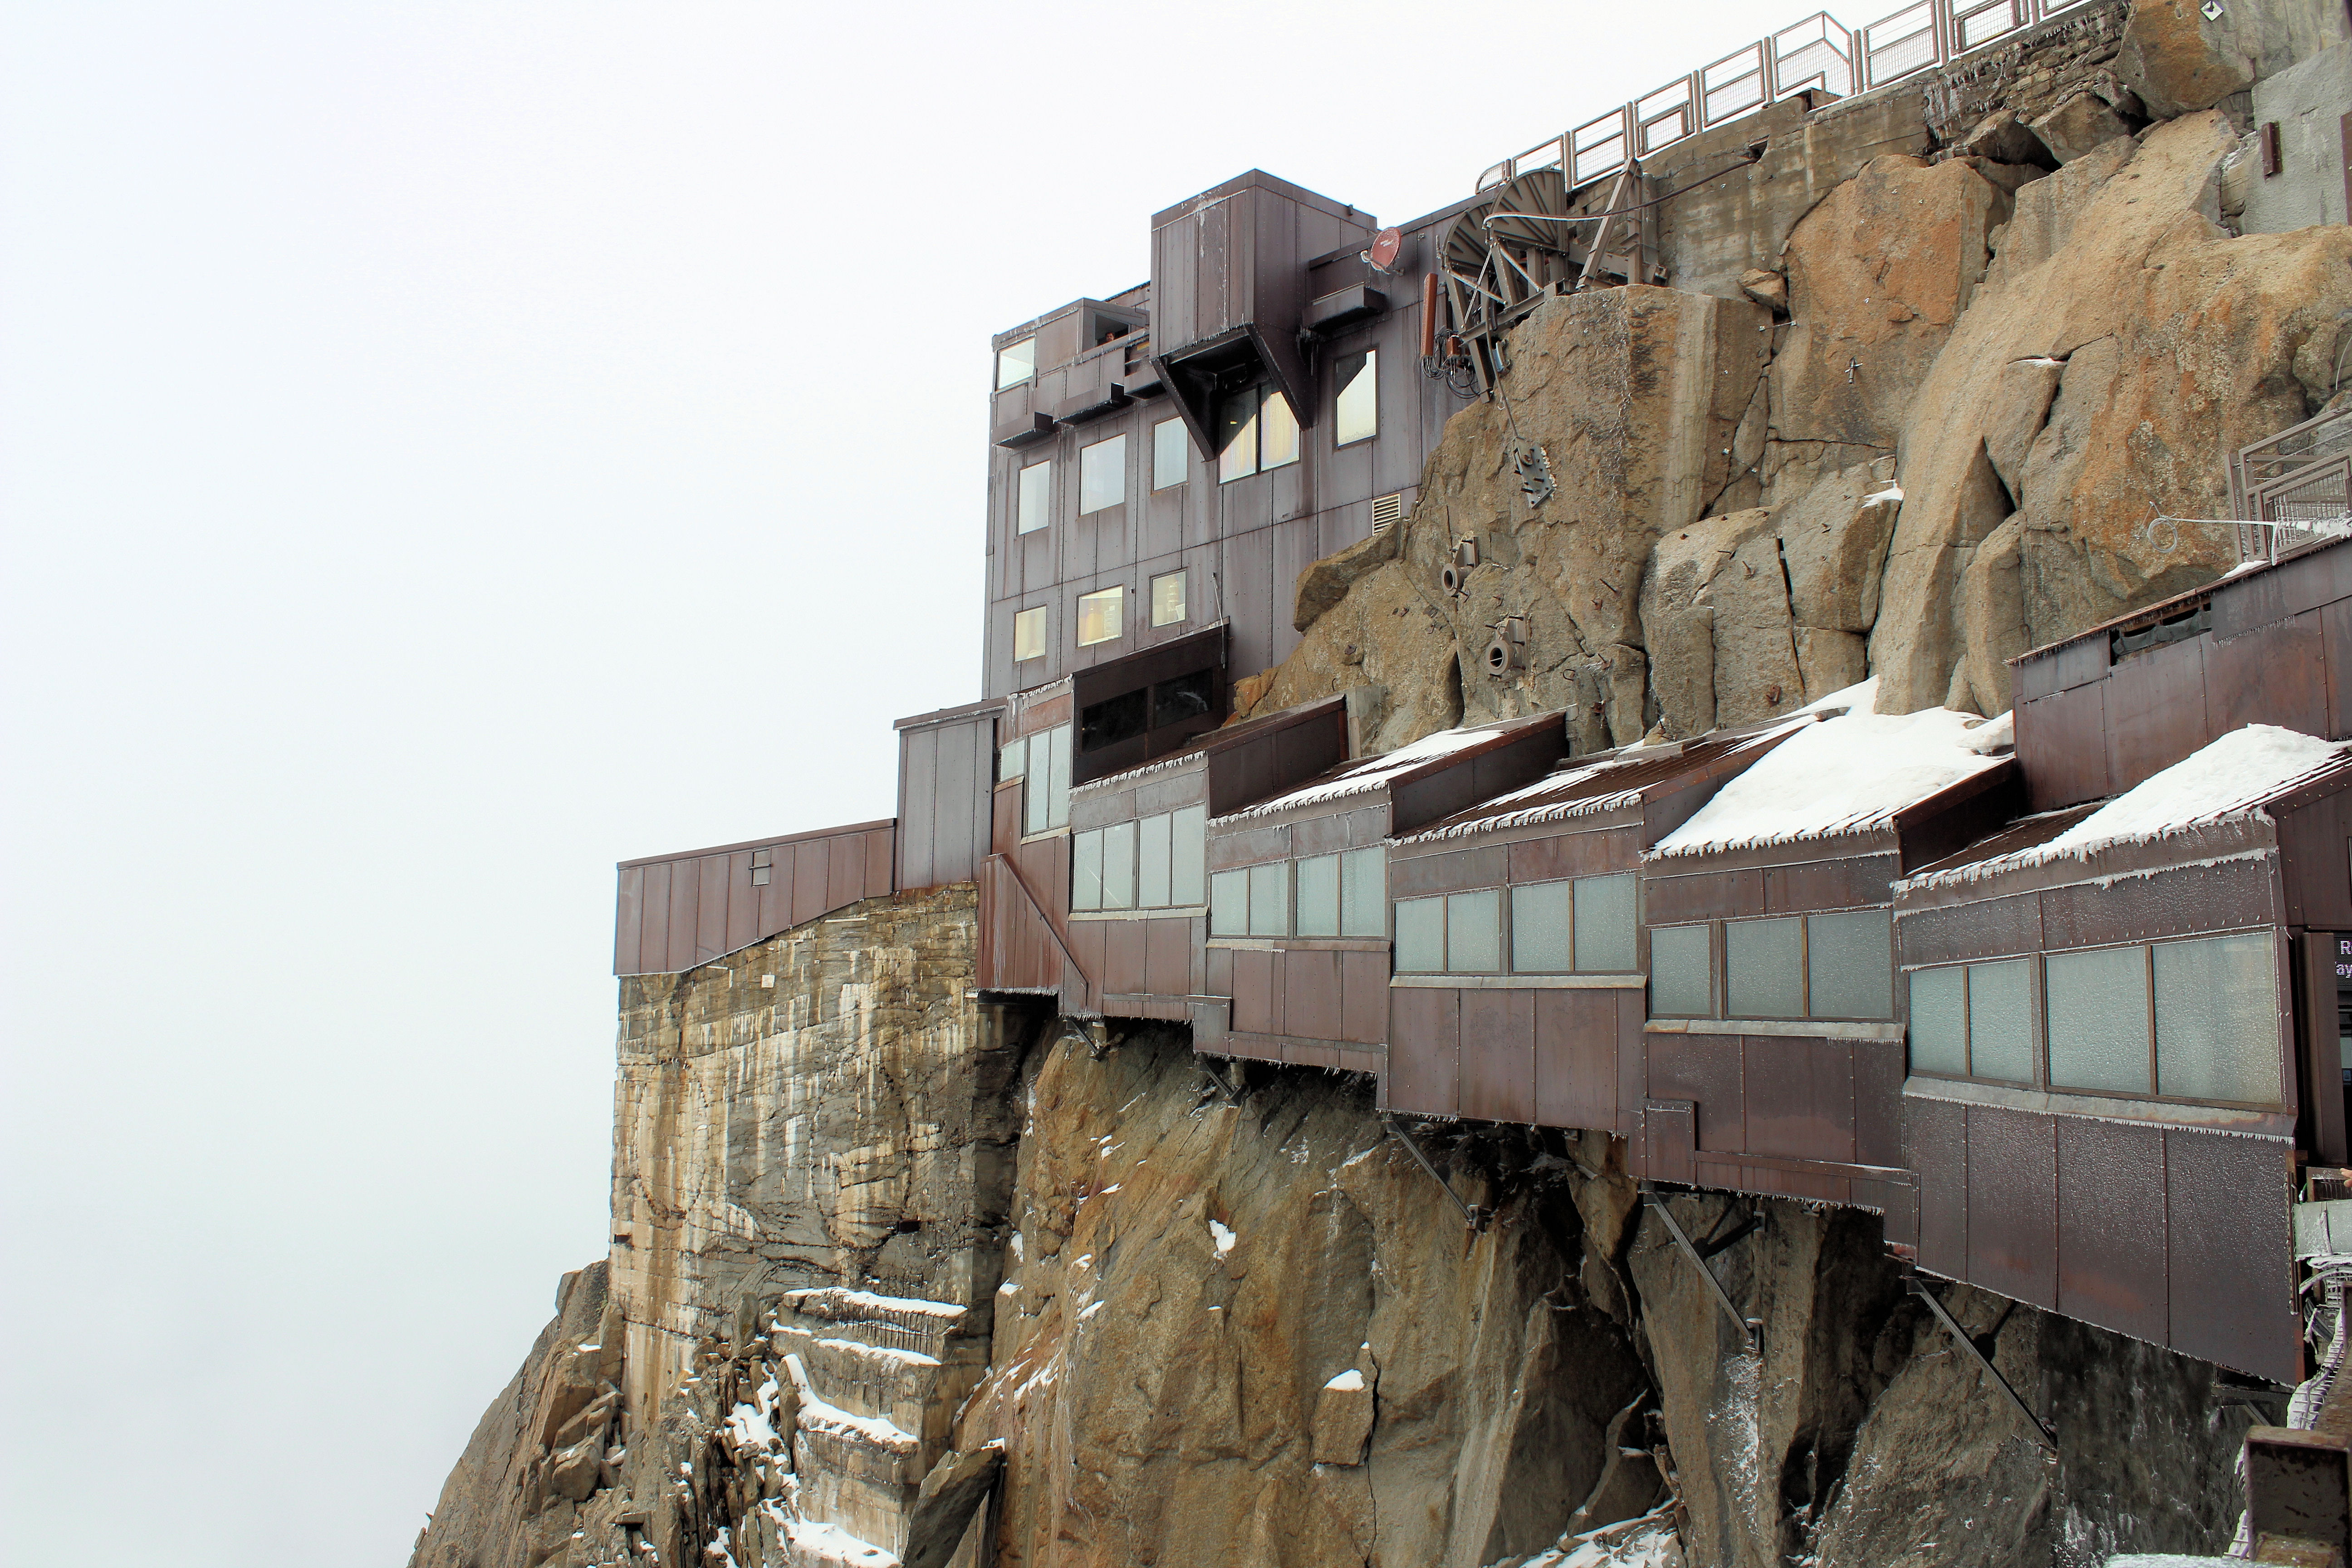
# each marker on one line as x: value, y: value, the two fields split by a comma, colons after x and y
x: 1113, y: 720
x: 2192, y: 622
x: 1186, y: 696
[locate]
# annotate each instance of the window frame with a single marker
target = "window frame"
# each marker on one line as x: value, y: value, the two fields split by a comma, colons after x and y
x: 1045, y: 632
x: 1371, y: 367
x: 1719, y: 969
x: 1184, y: 443
x: 1085, y: 453
x: 1183, y: 598
x: 1116, y: 597
x: 1255, y: 426
x: 1022, y: 527
x: 1028, y: 376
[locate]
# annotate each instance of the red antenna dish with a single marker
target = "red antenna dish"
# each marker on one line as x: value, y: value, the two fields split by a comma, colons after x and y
x: 1385, y: 245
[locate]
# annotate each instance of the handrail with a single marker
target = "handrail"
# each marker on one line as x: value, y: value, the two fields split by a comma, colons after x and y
x: 1818, y: 53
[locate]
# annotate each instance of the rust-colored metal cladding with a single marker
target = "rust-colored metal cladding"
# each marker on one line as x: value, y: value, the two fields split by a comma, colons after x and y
x: 1428, y: 1080
x: 1799, y: 1097
x: 1936, y: 1148
x: 1578, y: 1035
x: 947, y: 764
x: 2231, y: 1256
x: 2112, y: 1262
x: 675, y: 911
x: 2012, y: 1197
x: 1499, y: 1055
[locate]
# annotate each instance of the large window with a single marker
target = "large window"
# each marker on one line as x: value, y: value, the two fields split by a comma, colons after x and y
x: 1167, y: 599
x: 1102, y: 475
x: 1016, y: 363
x: 1035, y: 505
x: 1029, y: 633
x: 1584, y: 925
x: 1100, y: 617
x: 1837, y: 966
x: 1044, y: 761
x: 1354, y: 397
x: 1339, y: 895
x: 1256, y: 431
x: 2195, y: 1019
x: 1168, y: 444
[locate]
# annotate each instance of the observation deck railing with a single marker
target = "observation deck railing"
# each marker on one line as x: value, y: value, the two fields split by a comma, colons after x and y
x: 2293, y: 489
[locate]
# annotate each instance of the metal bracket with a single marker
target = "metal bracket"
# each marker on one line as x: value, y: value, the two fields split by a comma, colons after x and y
x: 1749, y: 1328
x: 2042, y: 1433
x: 1470, y: 1214
x: 1731, y: 1237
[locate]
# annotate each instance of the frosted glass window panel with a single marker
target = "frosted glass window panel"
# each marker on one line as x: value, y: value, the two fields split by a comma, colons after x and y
x: 1167, y: 599
x: 1277, y: 437
x: 1102, y: 475
x: 1087, y: 870
x: 1029, y: 633
x: 1229, y: 904
x: 1119, y: 865
x: 1036, y: 498
x: 2097, y: 1007
x: 1319, y: 896
x: 1850, y: 960
x: 1539, y: 929
x: 1058, y: 777
x: 1939, y: 1017
x: 1100, y: 615
x: 1764, y: 968
x: 1355, y: 402
x: 1012, y: 761
x: 1474, y: 931
x: 1036, y: 805
x: 1420, y: 936
x: 1016, y: 363
x: 1269, y: 899
x: 1152, y: 869
x: 2216, y: 1018
x: 1604, y: 924
x: 1363, y: 893
x: 2000, y: 1020
x: 1168, y: 443
x: 1238, y: 437
x: 1682, y: 972
x: 1187, y: 855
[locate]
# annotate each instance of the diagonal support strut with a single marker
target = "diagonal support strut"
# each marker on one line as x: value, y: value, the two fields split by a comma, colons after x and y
x: 1749, y: 1330
x: 1476, y: 1220
x: 2042, y: 1433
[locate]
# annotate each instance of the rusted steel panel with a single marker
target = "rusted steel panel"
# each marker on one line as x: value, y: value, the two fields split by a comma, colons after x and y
x: 1310, y: 994
x: 1302, y: 751
x: 1703, y: 1069
x: 2320, y: 1096
x: 1168, y: 957
x: 653, y: 942
x: 881, y: 850
x: 1364, y: 998
x: 844, y: 881
x: 1897, y: 1203
x: 2061, y: 746
x: 2274, y: 676
x: 1004, y: 827
x: 1935, y: 1147
x: 628, y: 923
x: 812, y: 869
x: 1595, y: 854
x: 1084, y: 939
x: 1729, y: 1172
x: 1633, y: 1063
x: 2111, y: 1251
x: 711, y: 914
x: 2335, y: 632
x: 1669, y: 1135
x: 2012, y: 1187
x: 2061, y: 669
x: 1576, y: 1059
x: 742, y: 903
x: 1318, y: 834
x: 1499, y: 1055
x: 918, y: 803
x: 1711, y: 895
x: 1124, y: 946
x: 2156, y: 711
x: 1800, y: 1099
x: 685, y: 914
x: 1257, y: 1002
x: 1415, y: 875
x: 1992, y: 928
x: 2260, y: 598
x: 1424, y: 1051
x: 1247, y: 847
x: 1878, y: 1067
x: 1838, y: 884
x: 2312, y: 841
x: 2170, y: 903
x: 1217, y: 971
x: 2231, y: 1285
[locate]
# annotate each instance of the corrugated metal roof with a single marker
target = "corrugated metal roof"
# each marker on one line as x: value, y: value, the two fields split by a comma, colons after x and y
x: 1431, y: 753
x: 1609, y: 780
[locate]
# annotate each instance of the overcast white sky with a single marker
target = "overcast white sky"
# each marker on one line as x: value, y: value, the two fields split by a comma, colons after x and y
x: 446, y: 448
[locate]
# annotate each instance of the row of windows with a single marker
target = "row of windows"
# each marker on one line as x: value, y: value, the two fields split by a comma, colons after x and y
x: 2196, y: 1020
x: 1102, y: 616
x: 1044, y: 760
x: 1835, y: 966
x: 1344, y: 894
x: 1256, y: 431
x: 1155, y: 862
x: 1582, y: 925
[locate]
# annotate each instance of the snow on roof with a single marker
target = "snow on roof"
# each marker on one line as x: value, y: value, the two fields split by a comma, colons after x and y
x: 1372, y: 773
x: 1844, y: 774
x: 2226, y: 779
x: 1606, y: 783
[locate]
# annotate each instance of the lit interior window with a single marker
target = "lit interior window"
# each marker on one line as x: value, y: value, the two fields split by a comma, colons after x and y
x: 1168, y: 446
x: 1238, y: 437
x: 1168, y: 598
x: 1036, y: 498
x: 1277, y: 427
x: 1099, y: 616
x: 1355, y: 398
x: 1029, y: 635
x: 1102, y: 475
x: 1017, y: 364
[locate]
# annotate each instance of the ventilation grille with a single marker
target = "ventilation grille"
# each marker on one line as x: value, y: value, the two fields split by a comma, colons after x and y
x: 1388, y: 510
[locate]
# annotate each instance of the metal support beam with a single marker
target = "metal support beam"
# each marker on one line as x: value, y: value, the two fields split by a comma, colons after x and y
x: 1470, y: 1212
x: 2042, y: 1433
x: 1749, y: 1328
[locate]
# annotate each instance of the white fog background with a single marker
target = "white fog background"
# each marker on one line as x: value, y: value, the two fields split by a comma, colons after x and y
x: 447, y: 448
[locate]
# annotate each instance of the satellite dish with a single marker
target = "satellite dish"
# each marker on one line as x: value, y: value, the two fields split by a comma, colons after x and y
x: 1385, y: 245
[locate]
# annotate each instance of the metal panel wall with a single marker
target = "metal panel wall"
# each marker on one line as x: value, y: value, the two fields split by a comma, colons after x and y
x: 947, y: 769
x: 673, y: 913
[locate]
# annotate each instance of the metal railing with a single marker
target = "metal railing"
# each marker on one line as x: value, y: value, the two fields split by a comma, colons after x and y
x: 2294, y: 489
x: 1818, y: 54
